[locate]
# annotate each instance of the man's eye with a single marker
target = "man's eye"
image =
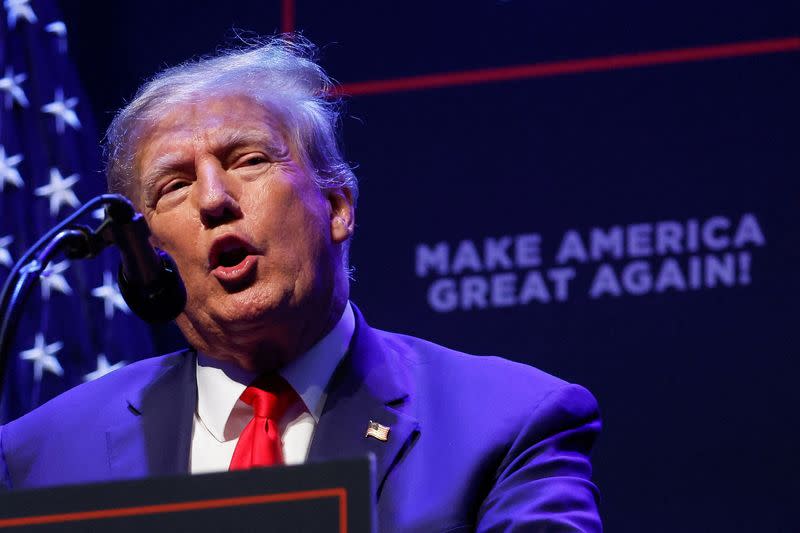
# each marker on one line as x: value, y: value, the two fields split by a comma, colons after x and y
x: 173, y: 186
x: 253, y: 160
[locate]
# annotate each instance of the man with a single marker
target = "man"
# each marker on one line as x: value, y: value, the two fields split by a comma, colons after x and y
x: 233, y: 162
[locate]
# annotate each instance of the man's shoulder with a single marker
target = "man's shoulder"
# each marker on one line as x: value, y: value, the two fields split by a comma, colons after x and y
x: 479, y: 406
x: 441, y: 370
x: 91, y: 399
x: 66, y: 439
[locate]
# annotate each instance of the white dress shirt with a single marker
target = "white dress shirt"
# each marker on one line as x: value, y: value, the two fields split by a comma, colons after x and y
x: 221, y: 416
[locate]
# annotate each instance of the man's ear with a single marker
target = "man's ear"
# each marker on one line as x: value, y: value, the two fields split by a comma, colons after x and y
x: 343, y: 213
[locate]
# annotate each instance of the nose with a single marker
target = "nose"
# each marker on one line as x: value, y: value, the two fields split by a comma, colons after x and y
x: 217, y: 195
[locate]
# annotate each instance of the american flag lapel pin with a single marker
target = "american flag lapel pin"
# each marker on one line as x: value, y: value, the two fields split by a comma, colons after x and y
x: 377, y: 431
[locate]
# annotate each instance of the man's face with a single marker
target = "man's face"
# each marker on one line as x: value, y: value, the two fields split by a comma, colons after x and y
x: 255, y: 240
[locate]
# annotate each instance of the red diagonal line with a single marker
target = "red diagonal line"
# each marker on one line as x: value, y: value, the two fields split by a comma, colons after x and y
x: 339, y: 492
x: 572, y: 66
x: 287, y: 16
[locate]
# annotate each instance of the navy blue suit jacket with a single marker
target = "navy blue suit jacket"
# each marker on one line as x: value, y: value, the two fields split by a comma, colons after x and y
x: 476, y: 443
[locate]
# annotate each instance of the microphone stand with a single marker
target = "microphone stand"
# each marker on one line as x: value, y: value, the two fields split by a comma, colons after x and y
x: 76, y: 241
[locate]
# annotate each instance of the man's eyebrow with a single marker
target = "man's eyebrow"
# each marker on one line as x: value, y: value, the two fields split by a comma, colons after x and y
x: 232, y: 139
x: 163, y: 164
x: 222, y: 142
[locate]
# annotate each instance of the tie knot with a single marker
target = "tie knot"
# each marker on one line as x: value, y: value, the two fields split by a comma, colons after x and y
x: 260, y: 441
x: 269, y: 396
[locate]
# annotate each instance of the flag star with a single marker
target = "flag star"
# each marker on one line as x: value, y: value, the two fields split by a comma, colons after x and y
x: 62, y: 111
x: 8, y: 170
x: 103, y: 368
x: 53, y: 280
x: 10, y: 83
x: 99, y: 214
x: 19, y: 9
x: 43, y: 356
x: 59, y: 190
x: 59, y: 29
x: 5, y: 255
x: 111, y: 296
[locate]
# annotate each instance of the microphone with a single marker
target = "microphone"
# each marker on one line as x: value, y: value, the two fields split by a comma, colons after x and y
x: 148, y: 278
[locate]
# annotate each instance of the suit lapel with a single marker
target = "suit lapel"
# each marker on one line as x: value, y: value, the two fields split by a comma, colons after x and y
x: 153, y: 436
x: 371, y: 384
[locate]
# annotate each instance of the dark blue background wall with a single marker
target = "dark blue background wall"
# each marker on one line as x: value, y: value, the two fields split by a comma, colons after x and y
x: 695, y: 370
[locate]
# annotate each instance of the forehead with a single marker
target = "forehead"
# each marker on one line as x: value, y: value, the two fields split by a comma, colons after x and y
x: 210, y: 123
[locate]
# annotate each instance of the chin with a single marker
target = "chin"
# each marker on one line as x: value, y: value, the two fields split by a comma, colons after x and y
x: 251, y: 306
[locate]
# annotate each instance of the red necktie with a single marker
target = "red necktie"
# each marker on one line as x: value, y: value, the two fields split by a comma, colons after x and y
x: 260, y: 442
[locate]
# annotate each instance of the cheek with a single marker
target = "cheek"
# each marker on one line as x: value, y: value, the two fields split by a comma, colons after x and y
x: 295, y: 219
x: 309, y: 239
x: 177, y: 238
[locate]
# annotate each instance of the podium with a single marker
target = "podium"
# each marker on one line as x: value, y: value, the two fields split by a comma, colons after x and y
x: 326, y: 497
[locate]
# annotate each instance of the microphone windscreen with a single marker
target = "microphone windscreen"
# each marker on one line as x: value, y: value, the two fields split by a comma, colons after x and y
x: 160, y: 300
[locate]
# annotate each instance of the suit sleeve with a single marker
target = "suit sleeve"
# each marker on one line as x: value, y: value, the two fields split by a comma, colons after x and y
x: 544, y: 482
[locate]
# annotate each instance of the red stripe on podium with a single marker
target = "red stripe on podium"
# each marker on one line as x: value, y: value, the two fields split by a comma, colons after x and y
x: 338, y: 492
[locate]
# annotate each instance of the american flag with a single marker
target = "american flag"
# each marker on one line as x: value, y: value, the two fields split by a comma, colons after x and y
x: 76, y: 326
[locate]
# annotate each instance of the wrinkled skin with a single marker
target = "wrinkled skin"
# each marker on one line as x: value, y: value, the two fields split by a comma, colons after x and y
x: 223, y: 167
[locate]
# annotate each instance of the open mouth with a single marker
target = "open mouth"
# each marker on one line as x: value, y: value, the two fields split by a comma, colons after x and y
x: 231, y: 258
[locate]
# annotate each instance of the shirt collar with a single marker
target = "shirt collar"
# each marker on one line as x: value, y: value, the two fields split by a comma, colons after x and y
x: 220, y: 383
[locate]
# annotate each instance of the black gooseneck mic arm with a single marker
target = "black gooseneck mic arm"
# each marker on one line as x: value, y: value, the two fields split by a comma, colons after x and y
x: 148, y: 279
